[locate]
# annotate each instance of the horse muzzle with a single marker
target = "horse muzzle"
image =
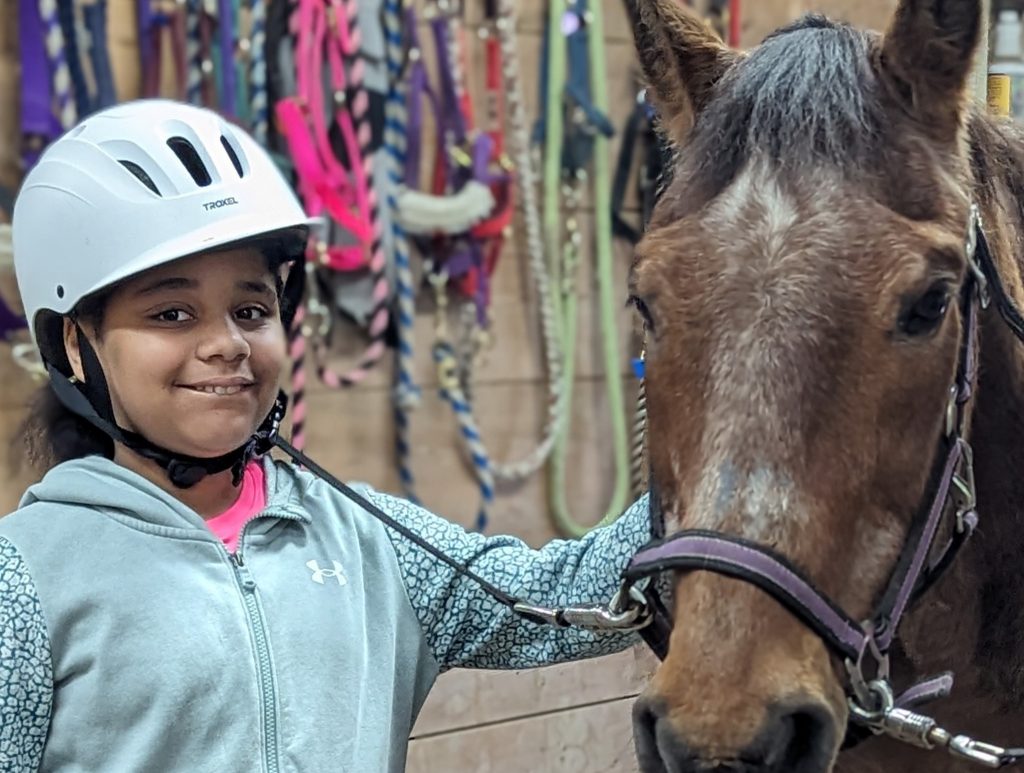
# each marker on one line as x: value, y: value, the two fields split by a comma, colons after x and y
x: 794, y: 738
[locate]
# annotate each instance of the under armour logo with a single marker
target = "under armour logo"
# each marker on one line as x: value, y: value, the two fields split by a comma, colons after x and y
x: 319, y: 575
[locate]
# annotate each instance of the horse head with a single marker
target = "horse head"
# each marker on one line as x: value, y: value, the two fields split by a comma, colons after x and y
x: 809, y: 287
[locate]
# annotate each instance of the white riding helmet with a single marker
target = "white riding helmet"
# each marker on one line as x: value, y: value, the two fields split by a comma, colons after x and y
x: 128, y: 189
x: 135, y: 186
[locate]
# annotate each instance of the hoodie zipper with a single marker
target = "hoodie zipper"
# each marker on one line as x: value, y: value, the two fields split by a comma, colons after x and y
x: 257, y: 625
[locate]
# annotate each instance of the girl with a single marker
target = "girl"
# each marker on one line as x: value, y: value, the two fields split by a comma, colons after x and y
x: 171, y: 598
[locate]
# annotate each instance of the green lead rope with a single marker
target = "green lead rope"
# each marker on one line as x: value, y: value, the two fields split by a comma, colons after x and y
x: 566, y: 307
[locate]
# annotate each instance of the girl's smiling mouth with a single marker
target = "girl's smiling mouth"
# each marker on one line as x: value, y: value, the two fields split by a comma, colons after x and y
x: 221, y: 386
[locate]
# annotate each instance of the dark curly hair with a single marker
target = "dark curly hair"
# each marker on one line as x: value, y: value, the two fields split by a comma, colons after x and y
x: 52, y: 434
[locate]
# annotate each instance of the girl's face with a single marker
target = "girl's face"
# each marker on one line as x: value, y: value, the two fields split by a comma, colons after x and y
x: 192, y: 351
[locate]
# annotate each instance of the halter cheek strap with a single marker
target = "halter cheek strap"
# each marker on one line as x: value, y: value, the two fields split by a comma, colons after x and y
x: 66, y: 14
x: 226, y: 26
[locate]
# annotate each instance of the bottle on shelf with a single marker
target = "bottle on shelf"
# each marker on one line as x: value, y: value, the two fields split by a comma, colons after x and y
x: 1006, y: 71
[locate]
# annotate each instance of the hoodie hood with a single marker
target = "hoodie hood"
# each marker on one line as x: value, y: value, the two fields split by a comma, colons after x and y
x: 98, y: 483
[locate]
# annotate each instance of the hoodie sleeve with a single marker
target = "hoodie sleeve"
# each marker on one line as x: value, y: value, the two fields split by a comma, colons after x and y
x: 467, y: 628
x: 26, y: 676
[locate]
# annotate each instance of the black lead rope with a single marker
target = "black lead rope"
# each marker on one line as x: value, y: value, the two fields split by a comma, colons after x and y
x: 628, y: 610
x: 301, y: 459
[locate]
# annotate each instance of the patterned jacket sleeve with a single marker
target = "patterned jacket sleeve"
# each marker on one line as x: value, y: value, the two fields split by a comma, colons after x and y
x: 467, y: 628
x: 26, y: 677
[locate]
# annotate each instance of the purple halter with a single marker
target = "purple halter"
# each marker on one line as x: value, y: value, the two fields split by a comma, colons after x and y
x: 464, y: 252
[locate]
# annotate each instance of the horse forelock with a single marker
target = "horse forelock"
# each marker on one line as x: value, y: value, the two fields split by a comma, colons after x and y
x: 806, y: 97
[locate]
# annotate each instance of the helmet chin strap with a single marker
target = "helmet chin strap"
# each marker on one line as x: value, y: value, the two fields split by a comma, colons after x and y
x: 91, y: 401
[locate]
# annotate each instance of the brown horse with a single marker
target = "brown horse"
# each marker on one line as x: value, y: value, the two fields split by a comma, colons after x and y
x: 800, y: 283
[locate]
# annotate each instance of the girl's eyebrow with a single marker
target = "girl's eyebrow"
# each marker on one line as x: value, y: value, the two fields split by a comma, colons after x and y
x: 183, y: 283
x: 256, y: 286
x: 170, y: 283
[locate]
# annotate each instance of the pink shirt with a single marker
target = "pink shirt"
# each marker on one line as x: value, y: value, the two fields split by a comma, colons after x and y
x: 252, y: 498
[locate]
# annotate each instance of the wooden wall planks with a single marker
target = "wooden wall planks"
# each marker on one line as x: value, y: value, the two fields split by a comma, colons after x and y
x: 573, y: 717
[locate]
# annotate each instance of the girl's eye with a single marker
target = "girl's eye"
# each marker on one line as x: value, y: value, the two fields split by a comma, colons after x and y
x: 172, y: 315
x: 252, y: 313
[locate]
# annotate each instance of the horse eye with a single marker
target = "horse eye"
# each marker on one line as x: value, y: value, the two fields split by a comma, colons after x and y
x: 643, y: 311
x: 927, y: 312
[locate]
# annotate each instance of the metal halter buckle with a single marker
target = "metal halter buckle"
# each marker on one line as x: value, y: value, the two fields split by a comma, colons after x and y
x: 952, y: 410
x: 962, y: 491
x: 970, y: 249
x: 868, y: 696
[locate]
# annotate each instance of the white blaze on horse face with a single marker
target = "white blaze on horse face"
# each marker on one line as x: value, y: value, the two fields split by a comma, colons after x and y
x: 754, y: 210
x: 760, y: 504
x: 760, y: 334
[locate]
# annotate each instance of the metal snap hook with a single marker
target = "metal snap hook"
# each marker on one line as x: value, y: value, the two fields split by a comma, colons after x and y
x: 872, y: 708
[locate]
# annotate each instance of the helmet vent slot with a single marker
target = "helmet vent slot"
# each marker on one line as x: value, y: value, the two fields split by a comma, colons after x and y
x: 139, y: 172
x: 188, y: 156
x: 232, y: 155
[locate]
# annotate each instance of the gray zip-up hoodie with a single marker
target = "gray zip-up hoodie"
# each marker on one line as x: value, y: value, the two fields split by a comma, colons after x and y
x: 131, y: 640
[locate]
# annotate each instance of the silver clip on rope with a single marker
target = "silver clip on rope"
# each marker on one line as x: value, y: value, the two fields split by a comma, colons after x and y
x: 627, y: 611
x: 922, y: 731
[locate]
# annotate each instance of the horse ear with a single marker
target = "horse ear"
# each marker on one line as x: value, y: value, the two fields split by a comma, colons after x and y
x: 927, y: 57
x: 682, y: 60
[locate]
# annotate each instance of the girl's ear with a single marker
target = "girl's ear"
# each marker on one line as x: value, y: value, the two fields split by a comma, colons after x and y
x: 71, y: 348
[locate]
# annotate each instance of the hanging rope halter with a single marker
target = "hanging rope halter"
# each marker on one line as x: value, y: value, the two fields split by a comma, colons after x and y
x: 588, y: 104
x: 406, y: 392
x: 24, y: 353
x: 526, y: 177
x: 339, y: 187
x: 462, y: 157
x: 453, y: 363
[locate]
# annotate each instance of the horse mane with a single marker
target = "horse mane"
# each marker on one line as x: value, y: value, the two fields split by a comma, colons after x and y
x: 997, y: 160
x: 996, y: 149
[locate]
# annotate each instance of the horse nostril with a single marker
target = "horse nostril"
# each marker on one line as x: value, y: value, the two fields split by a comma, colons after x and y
x: 797, y: 739
x: 645, y: 735
x: 659, y: 748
